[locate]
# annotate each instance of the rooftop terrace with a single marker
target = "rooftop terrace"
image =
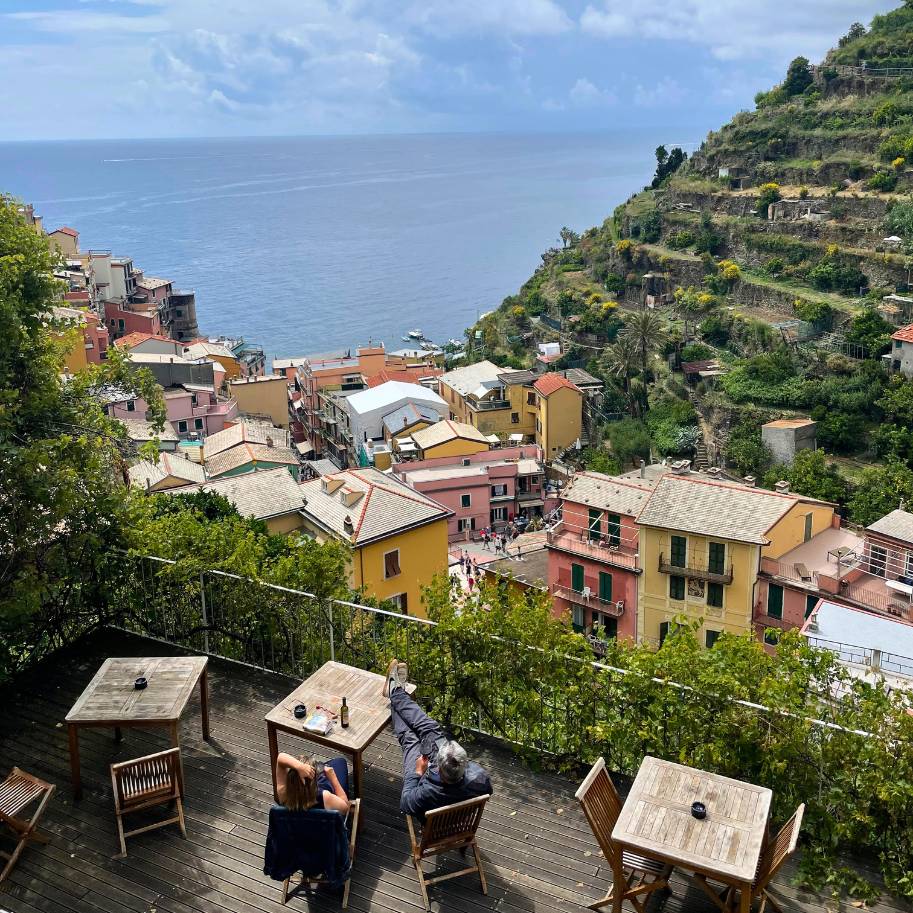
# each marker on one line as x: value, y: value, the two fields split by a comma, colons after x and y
x: 539, y: 853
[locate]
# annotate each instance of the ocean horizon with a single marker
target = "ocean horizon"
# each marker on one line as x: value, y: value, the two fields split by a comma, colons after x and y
x: 313, y: 244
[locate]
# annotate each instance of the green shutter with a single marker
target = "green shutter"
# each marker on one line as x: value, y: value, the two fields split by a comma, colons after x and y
x: 663, y: 631
x: 679, y: 547
x: 608, y: 627
x: 710, y: 638
x: 774, y: 600
x: 676, y: 587
x: 605, y: 586
x: 613, y: 522
x: 811, y: 600
x: 716, y: 558
x: 577, y: 577
x: 595, y: 524
x: 715, y: 595
x: 808, y: 527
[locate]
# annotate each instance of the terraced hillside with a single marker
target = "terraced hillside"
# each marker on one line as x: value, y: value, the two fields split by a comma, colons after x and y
x: 782, y: 250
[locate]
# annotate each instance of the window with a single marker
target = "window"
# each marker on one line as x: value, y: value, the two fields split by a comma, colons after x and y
x: 467, y: 462
x: 182, y: 426
x: 811, y: 600
x: 121, y: 325
x: 716, y: 558
x: 498, y: 513
x: 774, y: 600
x: 808, y: 528
x: 193, y: 399
x: 594, y: 524
x: 515, y: 418
x: 538, y: 426
x: 606, y: 625
x: 772, y: 636
x: 577, y: 578
x: 131, y: 405
x: 391, y: 564
x: 577, y: 620
x: 400, y: 601
x: 678, y: 549
x: 465, y: 500
x: 498, y: 491
x: 465, y: 523
x: 898, y: 344
x: 605, y: 586
x: 613, y: 522
x: 179, y: 312
x: 676, y: 587
x: 878, y: 558
x: 663, y: 631
x: 908, y: 565
x: 711, y: 637
x: 531, y: 398
x: 198, y: 424
x: 715, y: 594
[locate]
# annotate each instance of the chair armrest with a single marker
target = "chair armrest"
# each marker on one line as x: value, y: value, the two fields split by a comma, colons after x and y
x: 354, y: 810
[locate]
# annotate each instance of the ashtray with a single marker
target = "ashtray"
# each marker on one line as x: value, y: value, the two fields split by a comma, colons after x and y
x: 140, y: 683
x: 300, y: 711
x: 699, y: 810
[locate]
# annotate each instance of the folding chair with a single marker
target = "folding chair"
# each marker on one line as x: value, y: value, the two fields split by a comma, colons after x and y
x: 297, y: 840
x: 774, y: 854
x: 144, y: 783
x: 452, y: 827
x: 632, y: 876
x: 17, y: 792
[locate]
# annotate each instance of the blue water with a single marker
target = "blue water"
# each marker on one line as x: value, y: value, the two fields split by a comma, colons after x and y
x: 310, y: 244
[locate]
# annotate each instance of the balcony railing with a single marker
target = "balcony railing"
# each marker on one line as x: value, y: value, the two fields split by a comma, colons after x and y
x: 696, y: 568
x: 603, y: 550
x: 488, y: 404
x: 607, y: 606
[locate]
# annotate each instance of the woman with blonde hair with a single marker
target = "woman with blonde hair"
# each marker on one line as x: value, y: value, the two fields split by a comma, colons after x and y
x: 301, y: 784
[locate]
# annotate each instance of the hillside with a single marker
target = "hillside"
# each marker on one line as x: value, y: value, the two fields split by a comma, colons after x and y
x: 772, y: 250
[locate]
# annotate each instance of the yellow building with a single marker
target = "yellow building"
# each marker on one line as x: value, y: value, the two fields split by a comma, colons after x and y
x: 215, y: 351
x: 398, y: 536
x: 265, y: 397
x: 449, y: 438
x: 66, y: 240
x: 559, y: 422
x: 546, y: 408
x: 701, y: 543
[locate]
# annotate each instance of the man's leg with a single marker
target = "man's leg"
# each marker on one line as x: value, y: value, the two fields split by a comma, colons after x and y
x: 413, y: 727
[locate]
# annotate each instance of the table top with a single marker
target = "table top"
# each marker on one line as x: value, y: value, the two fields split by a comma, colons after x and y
x: 656, y: 820
x: 369, y: 710
x: 111, y: 698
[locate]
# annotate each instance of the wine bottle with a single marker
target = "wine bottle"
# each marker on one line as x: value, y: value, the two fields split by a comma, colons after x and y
x: 344, y: 714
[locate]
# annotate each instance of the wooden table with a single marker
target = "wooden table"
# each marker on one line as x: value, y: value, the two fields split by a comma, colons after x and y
x: 656, y: 822
x: 369, y: 712
x: 111, y: 700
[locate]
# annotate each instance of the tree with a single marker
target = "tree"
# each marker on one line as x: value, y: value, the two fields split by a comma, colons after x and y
x: 667, y: 163
x: 647, y: 330
x: 798, y: 77
x: 597, y: 459
x: 629, y: 440
x: 691, y: 304
x: 620, y: 360
x: 899, y: 221
x: 880, y: 490
x: 62, y: 501
x: 870, y: 330
x: 812, y: 475
x: 569, y: 237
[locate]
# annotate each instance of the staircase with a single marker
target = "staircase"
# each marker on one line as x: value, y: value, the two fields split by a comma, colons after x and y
x: 701, y: 458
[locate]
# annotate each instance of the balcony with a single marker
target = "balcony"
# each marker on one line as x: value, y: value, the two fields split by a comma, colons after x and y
x: 696, y: 568
x: 591, y: 601
x: 576, y: 542
x: 488, y: 405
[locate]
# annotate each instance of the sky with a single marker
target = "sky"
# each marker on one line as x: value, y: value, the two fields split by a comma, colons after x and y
x: 91, y: 69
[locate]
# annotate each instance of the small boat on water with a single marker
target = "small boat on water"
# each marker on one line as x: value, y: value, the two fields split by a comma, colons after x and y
x: 415, y: 334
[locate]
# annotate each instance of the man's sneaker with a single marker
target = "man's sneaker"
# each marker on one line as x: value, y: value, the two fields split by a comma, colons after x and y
x: 390, y: 680
x: 402, y: 674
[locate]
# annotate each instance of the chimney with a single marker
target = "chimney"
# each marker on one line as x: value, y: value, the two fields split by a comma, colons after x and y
x: 643, y: 469
x: 782, y: 487
x: 348, y: 525
x: 269, y: 441
x: 681, y: 467
x: 903, y: 504
x: 750, y: 481
x: 713, y: 471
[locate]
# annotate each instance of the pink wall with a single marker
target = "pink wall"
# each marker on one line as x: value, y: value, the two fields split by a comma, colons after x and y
x: 449, y: 492
x: 213, y: 411
x: 144, y: 322
x: 793, y: 608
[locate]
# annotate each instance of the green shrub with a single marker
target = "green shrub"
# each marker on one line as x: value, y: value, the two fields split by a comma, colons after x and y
x: 681, y: 239
x: 696, y: 351
x: 882, y: 181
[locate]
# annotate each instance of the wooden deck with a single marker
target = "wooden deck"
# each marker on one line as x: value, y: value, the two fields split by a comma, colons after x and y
x: 539, y: 853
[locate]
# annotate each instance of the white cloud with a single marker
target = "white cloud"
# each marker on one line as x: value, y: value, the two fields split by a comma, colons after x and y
x: 665, y: 93
x: 584, y: 94
x: 499, y: 17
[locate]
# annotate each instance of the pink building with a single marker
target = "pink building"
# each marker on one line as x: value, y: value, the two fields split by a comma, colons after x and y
x: 486, y: 489
x: 593, y: 553
x: 191, y: 410
x: 127, y: 318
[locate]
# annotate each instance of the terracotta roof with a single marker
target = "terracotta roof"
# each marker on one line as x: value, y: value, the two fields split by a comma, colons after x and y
x: 261, y: 495
x: 66, y: 230
x: 241, y: 433
x: 549, y: 383
x: 381, y: 505
x: 243, y: 454
x: 132, y: 339
x: 622, y: 496
x: 693, y: 367
x: 405, y: 375
x: 904, y: 334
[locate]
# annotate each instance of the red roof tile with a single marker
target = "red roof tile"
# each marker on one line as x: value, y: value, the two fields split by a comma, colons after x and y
x: 66, y: 230
x: 132, y: 339
x: 904, y: 334
x: 549, y: 383
x: 406, y: 375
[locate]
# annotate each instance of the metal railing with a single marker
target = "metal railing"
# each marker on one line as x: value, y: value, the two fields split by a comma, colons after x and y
x: 611, y: 607
x: 697, y: 568
x: 876, y: 660
x: 603, y: 549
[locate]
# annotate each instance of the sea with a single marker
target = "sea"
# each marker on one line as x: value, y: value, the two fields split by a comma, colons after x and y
x: 314, y: 244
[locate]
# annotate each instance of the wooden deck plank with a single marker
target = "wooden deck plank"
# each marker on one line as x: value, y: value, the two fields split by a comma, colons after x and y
x: 540, y: 855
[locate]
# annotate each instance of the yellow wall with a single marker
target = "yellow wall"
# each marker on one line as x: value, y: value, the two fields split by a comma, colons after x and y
x: 789, y: 532
x: 561, y: 421
x: 263, y: 397
x: 287, y: 523
x: 74, y: 345
x: 232, y: 368
x: 65, y: 243
x: 527, y: 412
x: 456, y: 447
x: 655, y: 606
x: 406, y: 430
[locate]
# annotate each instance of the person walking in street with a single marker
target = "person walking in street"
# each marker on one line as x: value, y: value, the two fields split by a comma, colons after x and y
x: 462, y: 560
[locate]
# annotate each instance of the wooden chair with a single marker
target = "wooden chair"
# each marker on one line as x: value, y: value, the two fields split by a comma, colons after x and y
x: 17, y: 792
x: 452, y: 827
x: 144, y: 783
x: 774, y: 854
x: 632, y: 876
x: 310, y: 880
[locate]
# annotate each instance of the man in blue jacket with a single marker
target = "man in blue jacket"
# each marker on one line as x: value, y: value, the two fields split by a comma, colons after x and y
x: 436, y: 770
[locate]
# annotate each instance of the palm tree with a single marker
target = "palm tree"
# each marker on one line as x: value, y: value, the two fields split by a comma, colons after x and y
x: 648, y: 333
x: 620, y: 360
